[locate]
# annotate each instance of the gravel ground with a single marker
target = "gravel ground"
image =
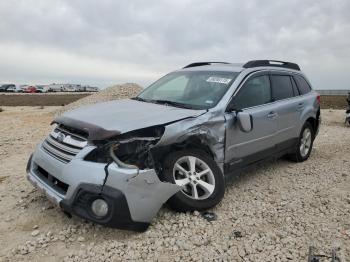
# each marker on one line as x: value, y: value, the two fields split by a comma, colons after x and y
x: 272, y: 212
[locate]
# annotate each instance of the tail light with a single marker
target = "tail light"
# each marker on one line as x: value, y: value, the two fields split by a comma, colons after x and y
x: 318, y: 99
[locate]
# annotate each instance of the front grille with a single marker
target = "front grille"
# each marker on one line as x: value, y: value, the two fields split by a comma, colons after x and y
x: 63, y: 144
x: 52, y: 181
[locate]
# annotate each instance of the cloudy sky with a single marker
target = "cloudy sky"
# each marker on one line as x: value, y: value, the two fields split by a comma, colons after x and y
x: 104, y: 42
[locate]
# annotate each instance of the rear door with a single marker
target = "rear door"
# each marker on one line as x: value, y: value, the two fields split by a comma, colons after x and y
x: 288, y: 107
x: 255, y: 98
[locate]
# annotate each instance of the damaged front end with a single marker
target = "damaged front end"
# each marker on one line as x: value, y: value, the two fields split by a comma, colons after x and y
x: 129, y: 150
x: 112, y: 181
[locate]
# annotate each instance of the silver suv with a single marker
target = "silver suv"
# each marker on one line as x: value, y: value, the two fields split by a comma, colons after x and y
x: 178, y: 141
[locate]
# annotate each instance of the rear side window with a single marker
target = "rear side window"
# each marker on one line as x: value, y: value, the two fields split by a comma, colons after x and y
x: 281, y: 87
x: 295, y: 88
x: 303, y: 86
x: 256, y: 91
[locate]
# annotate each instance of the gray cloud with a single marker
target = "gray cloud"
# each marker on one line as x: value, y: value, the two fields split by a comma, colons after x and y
x: 104, y: 42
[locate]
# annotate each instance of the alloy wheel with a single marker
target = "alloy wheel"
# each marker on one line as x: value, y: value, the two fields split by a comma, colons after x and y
x: 305, y: 142
x: 195, y: 177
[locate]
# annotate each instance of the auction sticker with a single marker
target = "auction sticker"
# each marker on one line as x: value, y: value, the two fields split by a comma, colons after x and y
x: 220, y: 80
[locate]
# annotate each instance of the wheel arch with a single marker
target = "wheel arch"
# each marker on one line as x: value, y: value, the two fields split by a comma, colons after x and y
x: 314, y: 121
x: 311, y: 115
x: 192, y: 142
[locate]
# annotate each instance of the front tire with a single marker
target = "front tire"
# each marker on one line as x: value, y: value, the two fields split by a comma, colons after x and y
x: 203, y: 184
x: 305, y: 143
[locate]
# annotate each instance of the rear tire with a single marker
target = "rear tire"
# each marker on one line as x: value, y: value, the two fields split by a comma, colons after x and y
x: 201, y: 179
x: 305, y: 142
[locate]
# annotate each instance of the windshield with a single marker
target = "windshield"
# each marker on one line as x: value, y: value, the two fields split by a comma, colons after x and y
x: 189, y: 89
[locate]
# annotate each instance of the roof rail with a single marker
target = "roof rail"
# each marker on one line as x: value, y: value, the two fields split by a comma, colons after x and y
x: 275, y: 63
x: 204, y: 63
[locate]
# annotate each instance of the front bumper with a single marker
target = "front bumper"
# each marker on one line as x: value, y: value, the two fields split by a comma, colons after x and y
x: 118, y: 215
x: 134, y: 196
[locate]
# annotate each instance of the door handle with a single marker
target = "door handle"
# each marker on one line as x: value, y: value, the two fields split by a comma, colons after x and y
x: 300, y: 106
x: 272, y: 115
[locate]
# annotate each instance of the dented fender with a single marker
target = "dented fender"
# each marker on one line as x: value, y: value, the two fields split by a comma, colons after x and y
x: 209, y: 127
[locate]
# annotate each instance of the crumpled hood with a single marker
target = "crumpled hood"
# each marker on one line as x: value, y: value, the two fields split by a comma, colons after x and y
x: 126, y: 115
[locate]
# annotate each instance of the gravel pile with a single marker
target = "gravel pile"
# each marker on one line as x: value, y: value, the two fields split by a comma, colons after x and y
x: 272, y: 212
x: 111, y: 93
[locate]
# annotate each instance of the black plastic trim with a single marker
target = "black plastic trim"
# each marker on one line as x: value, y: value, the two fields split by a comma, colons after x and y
x: 235, y: 166
x: 203, y: 64
x: 29, y: 163
x: 273, y: 63
x: 118, y: 215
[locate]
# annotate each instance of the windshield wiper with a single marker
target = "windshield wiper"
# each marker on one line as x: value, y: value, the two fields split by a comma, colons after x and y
x: 164, y: 102
x: 171, y: 103
x: 139, y: 99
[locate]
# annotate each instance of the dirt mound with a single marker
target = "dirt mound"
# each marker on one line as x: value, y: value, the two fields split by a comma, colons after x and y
x: 111, y: 93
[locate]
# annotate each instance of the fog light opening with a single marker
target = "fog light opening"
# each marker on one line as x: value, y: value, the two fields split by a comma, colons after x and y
x: 99, y: 207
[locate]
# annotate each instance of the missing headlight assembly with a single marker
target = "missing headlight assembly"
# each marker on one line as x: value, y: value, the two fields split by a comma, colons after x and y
x: 133, y: 148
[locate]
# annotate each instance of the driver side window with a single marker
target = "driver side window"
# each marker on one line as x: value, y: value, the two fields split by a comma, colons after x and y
x: 256, y: 91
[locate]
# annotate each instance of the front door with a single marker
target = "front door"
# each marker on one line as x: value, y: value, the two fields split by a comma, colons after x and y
x: 255, y: 98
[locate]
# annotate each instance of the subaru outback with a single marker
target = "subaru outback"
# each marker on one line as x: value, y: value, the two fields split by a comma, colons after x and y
x: 116, y: 163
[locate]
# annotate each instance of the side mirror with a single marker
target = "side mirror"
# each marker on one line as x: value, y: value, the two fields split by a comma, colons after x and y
x: 245, y: 121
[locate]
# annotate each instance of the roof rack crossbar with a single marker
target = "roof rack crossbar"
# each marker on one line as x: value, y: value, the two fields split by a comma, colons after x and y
x: 275, y: 63
x: 204, y: 63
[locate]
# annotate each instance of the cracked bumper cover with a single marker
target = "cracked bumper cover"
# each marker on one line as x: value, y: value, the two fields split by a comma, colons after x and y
x: 134, y: 196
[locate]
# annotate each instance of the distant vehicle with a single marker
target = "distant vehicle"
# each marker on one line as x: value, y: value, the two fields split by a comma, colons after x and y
x: 79, y: 88
x: 21, y: 88
x: 42, y: 89
x: 91, y: 89
x: 14, y: 89
x: 6, y: 87
x: 71, y: 88
x: 31, y: 89
x: 56, y: 87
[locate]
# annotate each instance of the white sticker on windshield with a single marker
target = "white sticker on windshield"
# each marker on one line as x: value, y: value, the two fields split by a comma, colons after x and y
x: 220, y: 80
x: 209, y: 101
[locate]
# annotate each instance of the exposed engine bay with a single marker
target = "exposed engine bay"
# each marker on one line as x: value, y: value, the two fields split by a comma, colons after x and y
x: 131, y: 149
